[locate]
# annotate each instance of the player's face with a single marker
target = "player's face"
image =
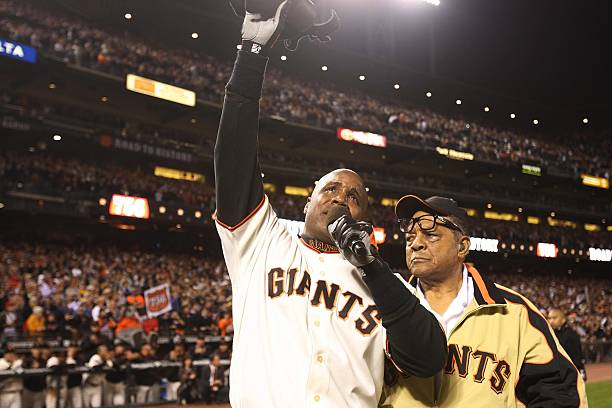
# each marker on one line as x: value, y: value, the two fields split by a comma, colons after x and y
x: 431, y: 254
x: 339, y: 188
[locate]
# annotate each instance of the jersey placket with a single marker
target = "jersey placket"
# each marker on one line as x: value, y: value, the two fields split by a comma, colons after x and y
x: 319, y: 329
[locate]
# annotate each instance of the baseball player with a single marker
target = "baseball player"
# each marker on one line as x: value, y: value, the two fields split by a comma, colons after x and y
x: 310, y: 326
x: 501, y: 350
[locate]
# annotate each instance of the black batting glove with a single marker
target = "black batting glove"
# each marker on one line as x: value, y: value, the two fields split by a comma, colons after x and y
x: 345, y: 232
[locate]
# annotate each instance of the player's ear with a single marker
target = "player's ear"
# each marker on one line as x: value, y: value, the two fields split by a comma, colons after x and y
x: 306, y: 206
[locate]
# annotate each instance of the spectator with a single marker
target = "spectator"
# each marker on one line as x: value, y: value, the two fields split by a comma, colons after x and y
x: 35, y: 323
x: 94, y: 380
x: 114, y: 386
x: 569, y: 339
x: 10, y: 388
x: 74, y: 379
x: 213, y: 381
x: 34, y: 385
x: 188, y: 390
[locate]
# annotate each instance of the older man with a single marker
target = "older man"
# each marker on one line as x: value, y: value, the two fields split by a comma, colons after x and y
x: 501, y: 350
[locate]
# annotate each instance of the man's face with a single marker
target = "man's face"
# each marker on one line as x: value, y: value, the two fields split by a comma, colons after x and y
x: 432, y: 253
x: 556, y: 318
x: 339, y: 188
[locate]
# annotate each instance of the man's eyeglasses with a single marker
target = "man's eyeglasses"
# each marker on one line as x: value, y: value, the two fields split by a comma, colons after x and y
x: 426, y: 222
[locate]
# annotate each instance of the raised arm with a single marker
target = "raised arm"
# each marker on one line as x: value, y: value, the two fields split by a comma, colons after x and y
x: 237, y: 174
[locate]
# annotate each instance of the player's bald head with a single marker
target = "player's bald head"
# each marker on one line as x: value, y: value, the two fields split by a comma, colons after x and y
x: 341, y: 173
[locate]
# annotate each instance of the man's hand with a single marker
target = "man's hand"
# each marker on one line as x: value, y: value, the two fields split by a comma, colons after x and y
x: 349, y: 234
x: 265, y: 21
x: 260, y: 31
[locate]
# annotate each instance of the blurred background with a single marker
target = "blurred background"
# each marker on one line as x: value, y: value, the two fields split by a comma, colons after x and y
x: 113, y: 288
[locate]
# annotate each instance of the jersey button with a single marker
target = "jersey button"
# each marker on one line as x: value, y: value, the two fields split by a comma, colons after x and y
x: 317, y: 398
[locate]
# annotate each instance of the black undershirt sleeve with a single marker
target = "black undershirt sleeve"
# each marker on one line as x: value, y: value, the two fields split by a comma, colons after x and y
x: 416, y: 341
x: 239, y: 188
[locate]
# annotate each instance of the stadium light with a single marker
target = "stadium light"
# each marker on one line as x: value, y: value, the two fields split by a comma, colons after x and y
x: 162, y: 210
x: 102, y: 201
x: 324, y: 68
x: 239, y: 47
x: 104, y: 99
x: 486, y: 109
x: 52, y: 86
x: 57, y: 138
x: 283, y: 58
x: 535, y: 121
x: 128, y: 16
x: 520, y: 209
x: 458, y: 101
x: 362, y: 77
x: 396, y: 86
x: 585, y: 120
x: 432, y: 2
x: 180, y: 212
x: 1, y: 206
x: 428, y: 94
x: 198, y: 214
x: 512, y: 116
x: 194, y: 35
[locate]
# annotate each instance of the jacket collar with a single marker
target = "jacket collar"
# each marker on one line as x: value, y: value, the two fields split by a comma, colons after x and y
x: 485, y: 291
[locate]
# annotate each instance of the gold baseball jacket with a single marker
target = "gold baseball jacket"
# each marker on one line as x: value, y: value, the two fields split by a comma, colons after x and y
x: 501, y: 353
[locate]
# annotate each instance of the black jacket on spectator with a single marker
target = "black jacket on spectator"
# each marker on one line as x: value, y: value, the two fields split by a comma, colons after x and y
x: 570, y: 341
x: 34, y: 383
x: 148, y: 376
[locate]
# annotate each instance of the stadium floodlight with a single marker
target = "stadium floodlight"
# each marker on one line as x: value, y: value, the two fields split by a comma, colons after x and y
x: 1, y: 206
x: 104, y: 99
x: 194, y: 35
x: 396, y: 86
x: 535, y: 121
x: 432, y: 2
x: 162, y: 210
x: 239, y: 47
x: 362, y: 77
x: 198, y: 214
x: 180, y: 212
x: 486, y: 109
x: 324, y: 68
x: 428, y: 94
x: 283, y: 58
x: 458, y: 101
x: 585, y: 120
x: 52, y: 86
x: 128, y: 16
x: 57, y: 138
x: 512, y: 116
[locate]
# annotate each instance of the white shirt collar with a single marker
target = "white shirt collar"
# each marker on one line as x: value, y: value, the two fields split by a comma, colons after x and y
x: 455, y: 310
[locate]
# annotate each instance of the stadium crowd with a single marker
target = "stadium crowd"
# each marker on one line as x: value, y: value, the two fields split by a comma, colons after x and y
x: 43, y: 173
x: 319, y: 104
x: 114, y: 125
x: 91, y: 299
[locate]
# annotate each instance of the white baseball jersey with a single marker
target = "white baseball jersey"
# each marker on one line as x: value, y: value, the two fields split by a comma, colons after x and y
x: 306, y: 330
